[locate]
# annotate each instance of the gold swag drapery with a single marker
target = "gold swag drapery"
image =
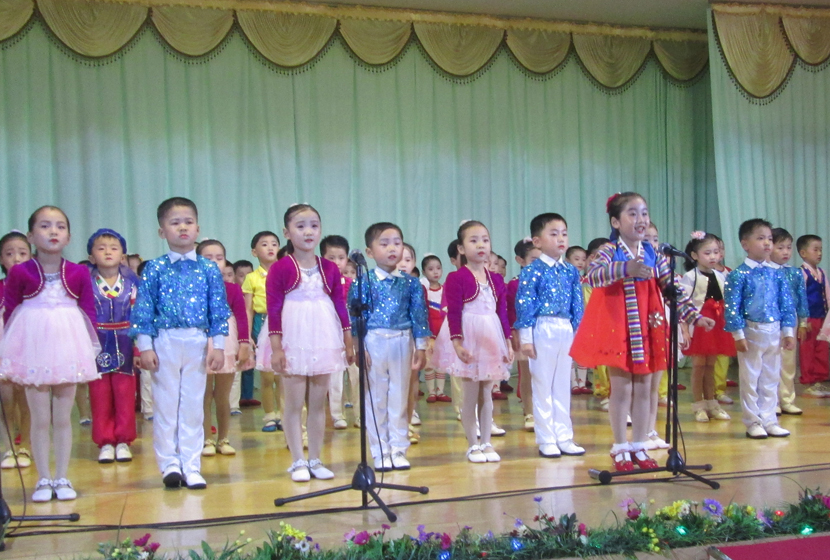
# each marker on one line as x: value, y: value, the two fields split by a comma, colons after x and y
x: 292, y: 34
x: 760, y: 44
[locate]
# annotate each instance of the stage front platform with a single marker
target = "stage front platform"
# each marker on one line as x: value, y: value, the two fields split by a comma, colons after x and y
x: 241, y: 489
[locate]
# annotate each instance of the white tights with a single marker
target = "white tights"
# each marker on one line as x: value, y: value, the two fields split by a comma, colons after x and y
x: 51, y: 406
x: 478, y: 398
x: 631, y: 392
x: 298, y: 388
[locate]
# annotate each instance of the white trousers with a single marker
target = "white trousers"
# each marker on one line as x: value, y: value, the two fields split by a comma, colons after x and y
x: 786, y: 389
x: 146, y: 392
x: 388, y: 390
x: 759, y: 369
x: 550, y: 378
x: 179, y: 394
x: 336, y: 384
x: 236, y: 391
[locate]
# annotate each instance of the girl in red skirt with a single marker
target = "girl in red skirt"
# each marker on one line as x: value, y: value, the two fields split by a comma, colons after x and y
x: 705, y: 284
x: 624, y: 325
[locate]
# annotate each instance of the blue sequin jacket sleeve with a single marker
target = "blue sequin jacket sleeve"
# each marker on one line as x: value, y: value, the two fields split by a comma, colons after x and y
x: 418, y: 312
x: 795, y: 278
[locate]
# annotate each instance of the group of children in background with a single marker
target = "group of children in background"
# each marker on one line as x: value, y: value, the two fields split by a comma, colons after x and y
x: 184, y: 320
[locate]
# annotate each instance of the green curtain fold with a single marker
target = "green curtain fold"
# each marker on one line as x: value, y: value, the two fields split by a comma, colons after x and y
x: 108, y: 143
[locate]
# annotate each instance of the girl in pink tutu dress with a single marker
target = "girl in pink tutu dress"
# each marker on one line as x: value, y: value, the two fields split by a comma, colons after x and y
x: 14, y: 249
x: 50, y: 343
x: 310, y: 336
x: 237, y: 355
x: 477, y: 320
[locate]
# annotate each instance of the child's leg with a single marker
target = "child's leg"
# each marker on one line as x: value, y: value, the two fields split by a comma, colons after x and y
x: 7, y: 397
x: 457, y: 393
x: 471, y: 392
x: 485, y: 410
x: 295, y: 395
x: 412, y: 395
x: 698, y: 372
x: 769, y: 378
x: 235, y: 391
x: 82, y: 400
x: 267, y: 395
x: 750, y: 366
x: 814, y: 355
x: 24, y: 416
x: 721, y: 369
x: 336, y: 397
x: 440, y: 378
x: 146, y: 393
x: 786, y: 389
x: 377, y: 395
x: 354, y: 387
x: 400, y: 373
x: 619, y: 404
x: 525, y: 386
x: 641, y: 409
x: 222, y: 384
x: 318, y: 387
x: 246, y: 391
x: 191, y: 436
x: 63, y: 396
x: 709, y: 378
x: 210, y: 384
x: 102, y: 403
x: 40, y: 403
x: 663, y: 388
x: 429, y: 379
x: 654, y: 404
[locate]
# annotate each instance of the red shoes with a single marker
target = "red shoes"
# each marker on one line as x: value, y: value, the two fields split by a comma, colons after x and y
x: 622, y: 461
x: 730, y: 383
x: 432, y: 398
x: 581, y: 391
x: 505, y: 387
x: 499, y: 396
x: 642, y: 460
x: 444, y: 398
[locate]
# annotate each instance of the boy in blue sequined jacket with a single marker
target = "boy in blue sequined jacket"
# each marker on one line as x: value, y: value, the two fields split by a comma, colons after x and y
x: 760, y: 313
x: 181, y: 302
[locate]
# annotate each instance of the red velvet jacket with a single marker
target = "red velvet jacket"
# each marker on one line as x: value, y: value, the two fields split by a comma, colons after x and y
x: 462, y: 287
x: 284, y: 276
x: 26, y: 280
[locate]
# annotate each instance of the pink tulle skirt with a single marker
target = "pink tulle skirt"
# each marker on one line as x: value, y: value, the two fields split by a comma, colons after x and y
x: 484, y: 338
x: 231, y: 350
x: 49, y: 341
x: 311, y: 338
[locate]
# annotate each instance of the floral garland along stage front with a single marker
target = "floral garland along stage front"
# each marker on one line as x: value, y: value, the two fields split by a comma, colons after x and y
x: 684, y: 523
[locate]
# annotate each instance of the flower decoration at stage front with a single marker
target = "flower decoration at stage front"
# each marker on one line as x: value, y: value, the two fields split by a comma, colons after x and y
x: 632, y: 509
x: 138, y: 549
x: 713, y: 508
x: 678, y: 510
x: 287, y: 530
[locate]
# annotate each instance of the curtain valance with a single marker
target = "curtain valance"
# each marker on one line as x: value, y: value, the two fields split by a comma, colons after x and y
x: 760, y: 44
x: 292, y: 34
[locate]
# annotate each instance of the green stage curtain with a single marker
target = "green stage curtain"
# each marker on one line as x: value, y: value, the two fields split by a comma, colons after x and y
x: 107, y: 140
x: 771, y: 155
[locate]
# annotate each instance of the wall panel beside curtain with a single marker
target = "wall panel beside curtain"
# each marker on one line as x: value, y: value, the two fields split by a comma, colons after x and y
x: 109, y: 142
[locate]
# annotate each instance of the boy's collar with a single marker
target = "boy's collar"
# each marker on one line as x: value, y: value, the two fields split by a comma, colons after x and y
x: 550, y: 261
x: 176, y: 256
x: 383, y: 275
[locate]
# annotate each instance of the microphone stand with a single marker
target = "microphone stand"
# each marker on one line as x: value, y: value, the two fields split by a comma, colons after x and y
x: 675, y: 463
x: 363, y: 480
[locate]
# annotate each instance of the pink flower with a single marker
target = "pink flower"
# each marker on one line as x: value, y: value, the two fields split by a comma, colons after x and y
x: 152, y: 547
x: 583, y: 530
x: 633, y: 513
x: 826, y: 501
x: 698, y: 235
x: 361, y: 538
x: 142, y: 541
x: 349, y: 536
x: 446, y: 541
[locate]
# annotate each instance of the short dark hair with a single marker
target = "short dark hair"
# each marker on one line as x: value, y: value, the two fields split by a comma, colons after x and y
x: 374, y: 231
x: 780, y: 234
x: 283, y: 251
x: 574, y: 249
x: 171, y: 203
x: 452, y: 249
x: 140, y: 268
x: 33, y: 217
x: 802, y: 243
x: 242, y: 263
x: 130, y: 256
x: 502, y: 259
x: 411, y: 250
x: 207, y: 243
x: 750, y: 226
x: 11, y: 236
x: 595, y: 245
x: 541, y: 221
x: 334, y: 242
x: 262, y: 234
x: 522, y: 248
x: 427, y: 258
x: 415, y: 272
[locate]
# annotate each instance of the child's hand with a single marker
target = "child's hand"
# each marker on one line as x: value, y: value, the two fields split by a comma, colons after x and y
x: 705, y: 322
x: 349, y: 344
x: 137, y: 362
x: 802, y: 332
x: 789, y: 343
x: 514, y: 340
x: 278, y: 360
x: 636, y: 269
x: 419, y: 359
x: 687, y: 338
x: 529, y: 350
x: 149, y: 360
x: 462, y: 353
x: 243, y: 354
x: 509, y: 358
x: 215, y: 360
x: 741, y: 345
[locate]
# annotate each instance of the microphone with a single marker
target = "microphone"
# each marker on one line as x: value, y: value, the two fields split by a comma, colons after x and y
x: 670, y: 251
x: 357, y: 258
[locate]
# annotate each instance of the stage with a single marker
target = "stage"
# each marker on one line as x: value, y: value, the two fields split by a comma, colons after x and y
x: 241, y: 489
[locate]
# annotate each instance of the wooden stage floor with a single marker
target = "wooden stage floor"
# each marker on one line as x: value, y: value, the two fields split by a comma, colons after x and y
x: 241, y: 489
